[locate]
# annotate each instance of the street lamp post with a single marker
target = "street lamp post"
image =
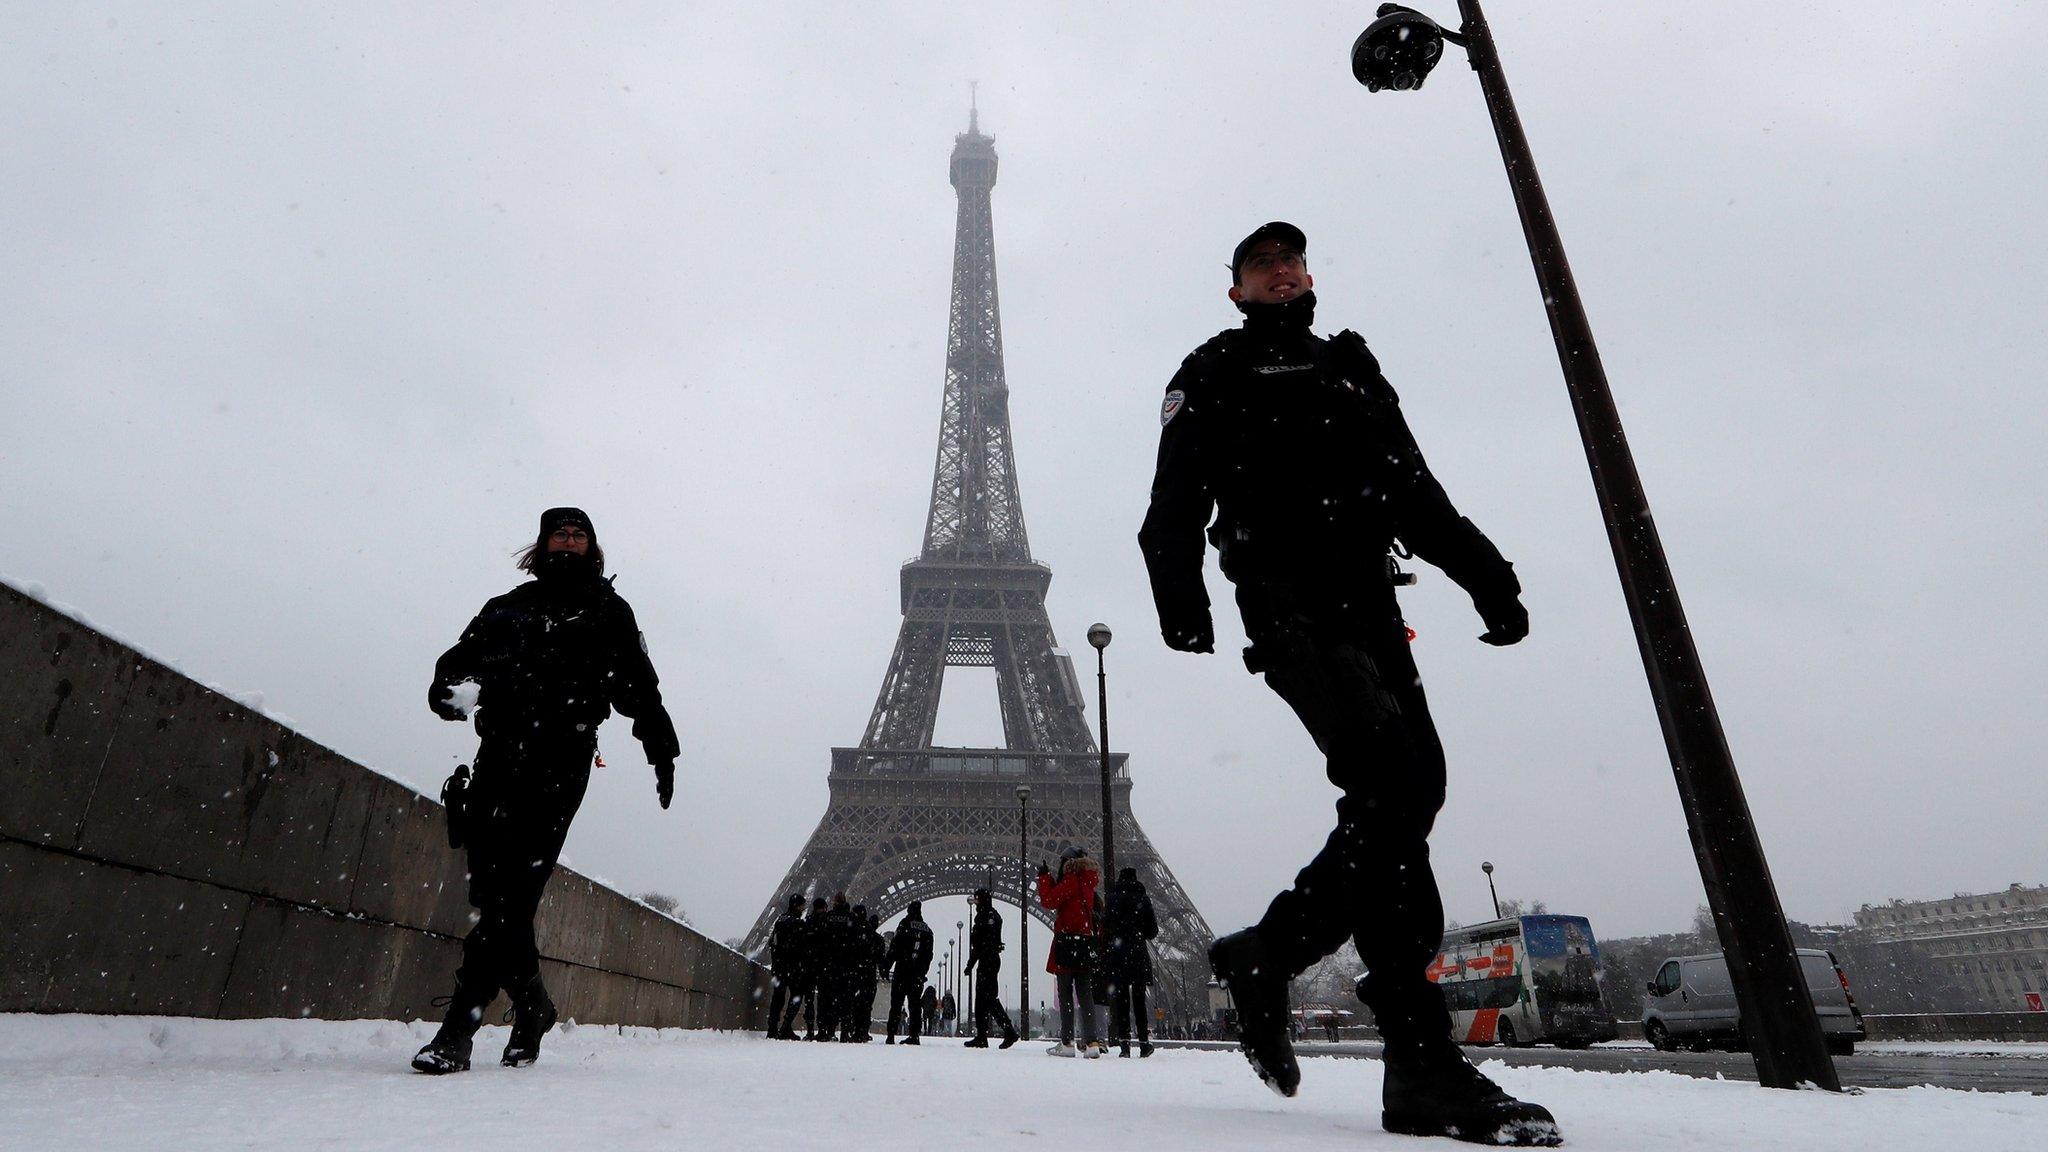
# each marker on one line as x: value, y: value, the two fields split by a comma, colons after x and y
x: 966, y: 993
x: 1397, y: 51
x: 1098, y: 635
x: 1024, y: 909
x: 1486, y: 866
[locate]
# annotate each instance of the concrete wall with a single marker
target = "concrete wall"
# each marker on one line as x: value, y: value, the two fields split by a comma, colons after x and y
x: 166, y: 850
x: 2004, y: 1026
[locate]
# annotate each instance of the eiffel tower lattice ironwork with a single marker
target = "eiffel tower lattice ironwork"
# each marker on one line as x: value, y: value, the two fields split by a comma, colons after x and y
x: 910, y: 821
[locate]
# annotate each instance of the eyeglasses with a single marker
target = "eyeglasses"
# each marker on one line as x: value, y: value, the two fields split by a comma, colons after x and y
x: 570, y: 535
x: 1267, y: 261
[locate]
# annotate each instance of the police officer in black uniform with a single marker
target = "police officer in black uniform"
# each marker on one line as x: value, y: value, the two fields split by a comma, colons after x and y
x: 551, y: 659
x: 833, y: 950
x: 870, y: 955
x: 787, y: 960
x: 910, y: 959
x: 985, y: 960
x: 1297, y: 445
x: 814, y: 966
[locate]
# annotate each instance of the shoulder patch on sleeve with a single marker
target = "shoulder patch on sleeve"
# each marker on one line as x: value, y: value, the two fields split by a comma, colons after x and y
x: 1175, y: 401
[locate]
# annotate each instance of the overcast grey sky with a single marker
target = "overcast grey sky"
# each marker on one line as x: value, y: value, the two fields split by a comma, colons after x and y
x: 305, y: 312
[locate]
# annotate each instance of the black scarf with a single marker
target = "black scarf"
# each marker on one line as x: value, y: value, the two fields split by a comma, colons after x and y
x: 561, y: 572
x: 1291, y: 316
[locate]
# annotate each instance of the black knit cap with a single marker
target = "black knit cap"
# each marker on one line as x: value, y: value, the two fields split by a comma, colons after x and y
x: 1290, y: 237
x: 555, y: 518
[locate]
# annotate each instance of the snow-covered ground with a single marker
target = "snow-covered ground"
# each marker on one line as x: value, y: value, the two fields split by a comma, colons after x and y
x: 170, y: 1085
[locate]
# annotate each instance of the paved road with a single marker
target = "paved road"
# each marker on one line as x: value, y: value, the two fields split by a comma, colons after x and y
x: 1982, y: 1072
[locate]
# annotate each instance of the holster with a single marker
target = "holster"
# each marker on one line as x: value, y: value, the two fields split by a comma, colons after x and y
x: 455, y: 800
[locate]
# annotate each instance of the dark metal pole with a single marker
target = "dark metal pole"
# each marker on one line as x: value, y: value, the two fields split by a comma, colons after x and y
x: 1098, y: 635
x: 1784, y: 1034
x: 1023, y: 908
x: 966, y: 987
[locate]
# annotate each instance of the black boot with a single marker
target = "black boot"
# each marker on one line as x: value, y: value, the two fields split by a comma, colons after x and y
x: 1009, y: 1038
x: 1437, y: 1092
x: 533, y: 1013
x: 1259, y: 989
x: 449, y: 1050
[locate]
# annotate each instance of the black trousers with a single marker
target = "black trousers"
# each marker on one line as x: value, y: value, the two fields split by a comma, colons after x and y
x: 524, y: 797
x: 906, y: 990
x: 785, y: 1002
x: 859, y: 1019
x: 988, y: 1003
x: 1127, y: 1006
x: 832, y: 1000
x: 1351, y: 679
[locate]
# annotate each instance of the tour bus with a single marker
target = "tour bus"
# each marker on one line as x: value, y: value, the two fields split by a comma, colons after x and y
x: 1524, y: 980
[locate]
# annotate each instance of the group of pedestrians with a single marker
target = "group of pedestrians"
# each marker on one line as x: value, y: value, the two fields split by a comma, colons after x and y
x: 828, y: 966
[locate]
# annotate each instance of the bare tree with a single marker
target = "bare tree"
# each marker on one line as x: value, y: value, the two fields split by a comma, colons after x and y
x: 665, y: 904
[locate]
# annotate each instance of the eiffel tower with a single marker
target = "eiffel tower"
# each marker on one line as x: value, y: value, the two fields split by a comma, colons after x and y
x: 910, y: 821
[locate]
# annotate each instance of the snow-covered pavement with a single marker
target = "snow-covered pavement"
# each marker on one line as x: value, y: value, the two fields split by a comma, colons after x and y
x: 171, y: 1085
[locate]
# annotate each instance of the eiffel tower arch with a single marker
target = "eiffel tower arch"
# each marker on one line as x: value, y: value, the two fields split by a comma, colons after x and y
x: 911, y: 821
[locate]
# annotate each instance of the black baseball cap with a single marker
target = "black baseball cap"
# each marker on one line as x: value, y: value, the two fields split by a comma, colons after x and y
x: 555, y: 518
x: 1287, y: 234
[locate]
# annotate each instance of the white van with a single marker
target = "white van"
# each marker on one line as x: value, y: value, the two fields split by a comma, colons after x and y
x: 1692, y: 1001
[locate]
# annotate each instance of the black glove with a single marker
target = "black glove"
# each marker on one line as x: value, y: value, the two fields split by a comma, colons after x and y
x: 1043, y: 870
x: 1189, y: 631
x: 1507, y: 622
x: 441, y: 698
x: 665, y: 781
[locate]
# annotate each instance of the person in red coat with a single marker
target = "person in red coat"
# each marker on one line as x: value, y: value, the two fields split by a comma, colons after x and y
x: 1070, y: 895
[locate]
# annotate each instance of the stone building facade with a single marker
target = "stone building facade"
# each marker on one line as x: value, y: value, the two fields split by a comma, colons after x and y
x: 1993, y: 945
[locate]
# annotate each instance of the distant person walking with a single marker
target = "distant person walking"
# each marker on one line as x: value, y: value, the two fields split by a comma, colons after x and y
x: 985, y: 960
x: 910, y: 958
x: 1070, y: 895
x: 551, y: 659
x: 1128, y: 927
x: 931, y: 1009
x: 787, y: 960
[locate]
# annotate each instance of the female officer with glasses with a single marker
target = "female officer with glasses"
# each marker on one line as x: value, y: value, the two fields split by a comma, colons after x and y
x: 551, y: 659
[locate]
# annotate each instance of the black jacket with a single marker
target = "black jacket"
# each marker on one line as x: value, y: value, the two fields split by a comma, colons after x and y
x: 817, y: 948
x: 910, y: 953
x: 1128, y: 922
x: 1297, y: 444
x: 837, y: 945
x: 554, y: 653
x: 787, y: 945
x: 985, y: 939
